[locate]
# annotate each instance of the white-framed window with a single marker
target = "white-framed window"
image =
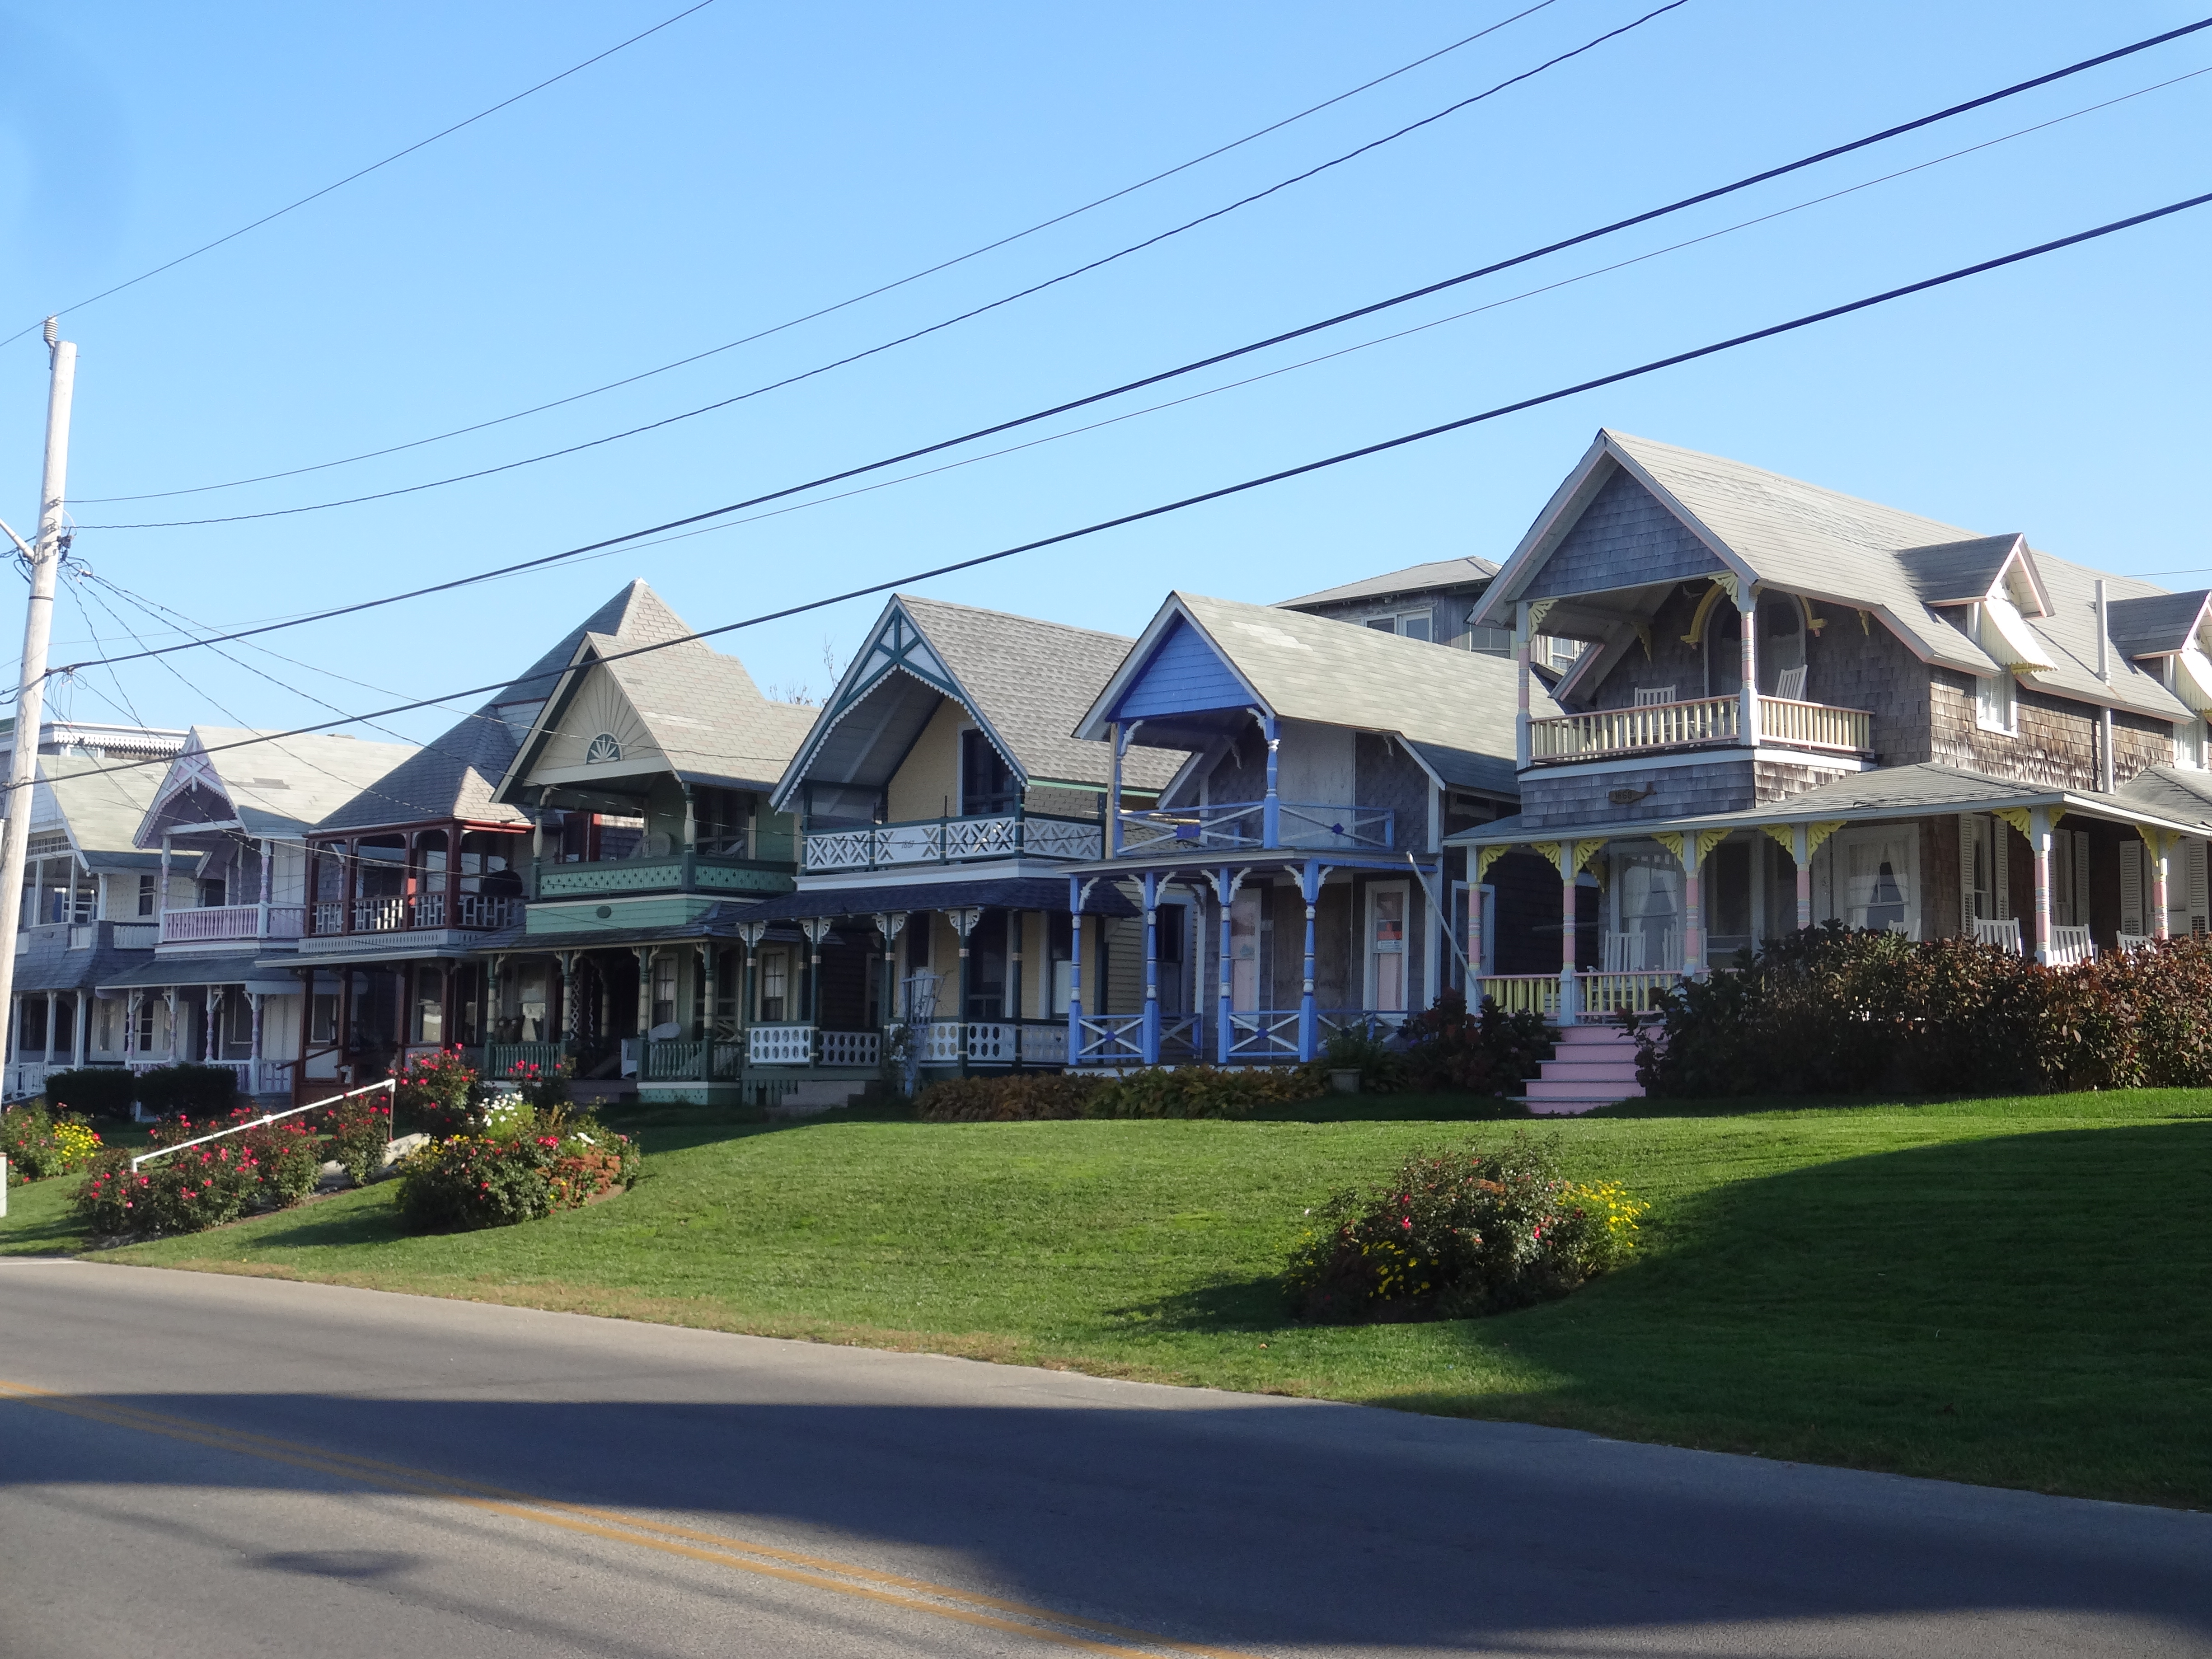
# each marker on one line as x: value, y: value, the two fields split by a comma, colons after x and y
x: 1647, y: 897
x: 1386, y: 987
x: 1877, y: 876
x: 1996, y: 702
x: 1420, y: 623
x: 775, y: 1003
x: 1984, y: 876
x: 2188, y: 743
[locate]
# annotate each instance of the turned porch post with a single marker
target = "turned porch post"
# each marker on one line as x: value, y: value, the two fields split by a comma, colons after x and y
x: 1271, y: 811
x: 1746, y: 610
x: 1309, y: 881
x: 261, y: 926
x: 2039, y: 842
x: 1224, y: 1032
x: 1074, y: 971
x: 1571, y: 990
x: 1521, y: 675
x: 1149, y: 1032
x: 710, y: 984
x: 1694, y: 910
x: 1800, y: 848
x: 2162, y: 844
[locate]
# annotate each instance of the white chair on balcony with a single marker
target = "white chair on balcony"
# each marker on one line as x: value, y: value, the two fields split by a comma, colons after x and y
x: 1649, y: 695
x: 2129, y: 942
x: 2005, y: 934
x: 1789, y: 684
x: 2070, y: 947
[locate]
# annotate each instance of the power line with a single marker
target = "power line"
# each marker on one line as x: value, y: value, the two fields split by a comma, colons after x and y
x: 825, y: 310
x: 919, y: 333
x: 1676, y: 360
x: 1645, y: 217
x: 397, y: 154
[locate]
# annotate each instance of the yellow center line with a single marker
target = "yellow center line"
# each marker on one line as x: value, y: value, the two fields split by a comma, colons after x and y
x: 716, y: 1548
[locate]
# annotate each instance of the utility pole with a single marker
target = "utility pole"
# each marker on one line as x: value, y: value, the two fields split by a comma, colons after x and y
x: 46, y: 555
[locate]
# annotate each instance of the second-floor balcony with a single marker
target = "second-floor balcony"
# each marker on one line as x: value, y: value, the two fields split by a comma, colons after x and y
x: 216, y: 923
x: 951, y: 841
x: 1698, y: 723
x: 1239, y: 826
x: 699, y: 871
x: 401, y: 912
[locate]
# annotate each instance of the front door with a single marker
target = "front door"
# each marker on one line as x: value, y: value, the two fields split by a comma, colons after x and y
x: 1386, y: 947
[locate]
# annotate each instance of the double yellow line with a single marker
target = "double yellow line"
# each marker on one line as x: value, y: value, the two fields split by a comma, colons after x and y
x: 815, y: 1572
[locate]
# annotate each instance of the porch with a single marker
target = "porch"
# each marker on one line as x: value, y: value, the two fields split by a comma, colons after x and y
x: 831, y: 847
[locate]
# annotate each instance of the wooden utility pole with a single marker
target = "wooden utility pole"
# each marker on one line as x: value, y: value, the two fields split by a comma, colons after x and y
x: 46, y: 555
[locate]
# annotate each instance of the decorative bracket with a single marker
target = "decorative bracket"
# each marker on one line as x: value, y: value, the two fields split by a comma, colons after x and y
x: 1486, y: 856
x: 1817, y: 833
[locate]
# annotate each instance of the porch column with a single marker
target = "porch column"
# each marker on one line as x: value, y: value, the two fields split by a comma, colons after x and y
x: 1693, y: 908
x: 131, y: 1000
x: 1149, y: 1035
x: 568, y: 959
x: 1226, y: 884
x: 890, y: 924
x: 1074, y: 971
x: 453, y: 875
x: 2160, y: 844
x: 1571, y: 989
x: 690, y: 839
x: 1015, y: 921
x: 80, y: 1043
x: 162, y: 909
x: 1117, y: 744
x: 261, y: 924
x: 1521, y: 675
x: 1800, y: 848
x: 644, y: 953
x: 816, y: 928
x: 1271, y: 815
x: 2039, y: 842
x: 1746, y: 610
x: 964, y: 922
x: 1309, y: 880
x: 306, y: 1019
x: 449, y: 1021
x: 711, y: 987
x: 1472, y: 977
x: 53, y: 1001
x: 253, y: 1056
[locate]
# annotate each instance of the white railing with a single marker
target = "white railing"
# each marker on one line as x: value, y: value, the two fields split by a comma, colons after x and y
x: 667, y: 1062
x: 1815, y: 726
x: 379, y: 916
x: 227, y: 921
x: 940, y: 1042
x: 137, y: 935
x: 489, y: 910
x: 852, y: 1048
x: 25, y: 1077
x: 1045, y: 1045
x: 951, y: 841
x: 429, y: 910
x: 993, y: 1043
x: 780, y: 1045
x: 270, y: 1117
x: 83, y: 935
x: 1653, y: 726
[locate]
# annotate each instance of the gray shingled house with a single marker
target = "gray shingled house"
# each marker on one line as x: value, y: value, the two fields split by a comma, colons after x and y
x: 1797, y: 706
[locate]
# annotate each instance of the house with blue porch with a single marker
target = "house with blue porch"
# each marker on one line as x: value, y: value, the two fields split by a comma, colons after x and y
x: 1290, y: 875
x: 940, y: 799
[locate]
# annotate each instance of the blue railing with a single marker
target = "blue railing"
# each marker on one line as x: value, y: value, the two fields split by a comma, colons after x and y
x: 1241, y: 826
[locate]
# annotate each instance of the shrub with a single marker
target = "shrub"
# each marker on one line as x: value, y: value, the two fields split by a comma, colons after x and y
x: 184, y: 1089
x: 437, y: 1094
x: 39, y: 1143
x: 471, y: 1181
x: 546, y: 1087
x: 1350, y: 1048
x: 1827, y: 1009
x: 266, y: 1167
x: 94, y: 1090
x: 1022, y: 1097
x: 356, y: 1133
x: 1201, y: 1091
x: 1487, y: 1053
x: 1457, y: 1234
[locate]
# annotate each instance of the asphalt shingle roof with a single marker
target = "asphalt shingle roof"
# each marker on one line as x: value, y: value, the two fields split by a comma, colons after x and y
x: 282, y: 785
x: 1413, y: 579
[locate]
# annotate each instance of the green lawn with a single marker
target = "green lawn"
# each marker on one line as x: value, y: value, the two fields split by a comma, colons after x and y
x: 2006, y: 1292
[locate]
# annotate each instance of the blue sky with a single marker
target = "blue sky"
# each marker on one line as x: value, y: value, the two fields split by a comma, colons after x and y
x: 751, y: 163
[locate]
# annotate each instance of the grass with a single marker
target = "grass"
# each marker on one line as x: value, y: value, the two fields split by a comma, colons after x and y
x: 2006, y: 1292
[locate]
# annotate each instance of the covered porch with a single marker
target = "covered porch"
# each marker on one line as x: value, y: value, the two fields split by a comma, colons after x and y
x: 205, y: 1011
x: 1927, y: 851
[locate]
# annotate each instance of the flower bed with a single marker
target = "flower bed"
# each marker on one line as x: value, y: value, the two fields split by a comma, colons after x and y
x: 527, y: 1165
x: 1831, y: 1011
x: 268, y: 1166
x: 39, y: 1143
x: 1457, y: 1234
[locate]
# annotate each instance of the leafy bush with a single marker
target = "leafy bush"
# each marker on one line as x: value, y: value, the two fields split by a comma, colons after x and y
x: 185, y: 1089
x: 266, y: 1167
x: 1457, y: 1234
x: 469, y: 1181
x: 546, y: 1087
x: 1021, y: 1098
x: 356, y: 1133
x: 39, y: 1143
x: 1487, y: 1053
x: 1382, y: 1068
x: 437, y: 1095
x: 94, y: 1090
x: 1831, y: 1010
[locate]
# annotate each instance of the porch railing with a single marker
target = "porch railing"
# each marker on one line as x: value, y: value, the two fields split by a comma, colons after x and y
x: 501, y: 1058
x: 1696, y: 722
x: 230, y: 921
x: 952, y: 840
x: 1228, y: 826
x: 1604, y: 995
x: 780, y: 1045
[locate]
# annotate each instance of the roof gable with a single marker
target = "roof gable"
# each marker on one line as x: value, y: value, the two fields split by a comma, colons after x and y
x: 2160, y: 624
x: 1180, y: 673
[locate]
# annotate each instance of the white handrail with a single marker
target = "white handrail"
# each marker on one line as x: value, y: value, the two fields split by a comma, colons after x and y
x: 239, y: 1128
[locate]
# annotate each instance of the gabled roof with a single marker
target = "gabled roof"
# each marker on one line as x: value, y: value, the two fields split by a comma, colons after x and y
x: 1762, y: 527
x: 2159, y: 624
x: 685, y: 709
x: 270, y: 784
x: 100, y: 802
x: 1467, y: 572
x: 1455, y: 708
x: 454, y: 774
x: 1026, y: 683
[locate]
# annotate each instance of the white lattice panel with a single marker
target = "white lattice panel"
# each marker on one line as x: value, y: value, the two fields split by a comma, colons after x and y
x: 780, y: 1045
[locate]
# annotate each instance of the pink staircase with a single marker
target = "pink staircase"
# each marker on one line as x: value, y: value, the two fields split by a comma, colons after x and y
x: 1593, y: 1066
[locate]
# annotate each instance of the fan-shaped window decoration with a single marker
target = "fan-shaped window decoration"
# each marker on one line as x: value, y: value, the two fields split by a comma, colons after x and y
x: 602, y: 750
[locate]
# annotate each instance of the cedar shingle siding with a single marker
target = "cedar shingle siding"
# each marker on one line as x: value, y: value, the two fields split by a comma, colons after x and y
x: 1625, y: 538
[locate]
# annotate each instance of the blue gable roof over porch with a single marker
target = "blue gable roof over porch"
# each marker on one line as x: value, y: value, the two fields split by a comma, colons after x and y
x: 1184, y: 674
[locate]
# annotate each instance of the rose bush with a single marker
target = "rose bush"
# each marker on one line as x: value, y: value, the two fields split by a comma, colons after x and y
x: 438, y: 1095
x: 265, y: 1167
x: 467, y: 1181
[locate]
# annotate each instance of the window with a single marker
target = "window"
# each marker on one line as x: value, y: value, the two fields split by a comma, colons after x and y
x: 2069, y: 878
x: 2188, y: 743
x: 1647, y: 885
x: 602, y: 750
x: 427, y: 1021
x: 776, y: 984
x: 987, y: 783
x: 1996, y: 702
x: 1879, y: 867
x: 1984, y: 878
x: 146, y: 894
x: 1420, y: 624
x: 663, y: 989
x: 323, y: 1022
x: 1060, y: 950
x: 211, y: 894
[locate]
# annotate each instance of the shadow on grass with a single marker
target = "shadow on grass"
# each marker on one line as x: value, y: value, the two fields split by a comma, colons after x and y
x: 1227, y: 1308
x: 2026, y: 1311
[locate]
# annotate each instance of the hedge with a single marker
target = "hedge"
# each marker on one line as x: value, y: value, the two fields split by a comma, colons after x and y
x: 1829, y: 1010
x: 95, y: 1091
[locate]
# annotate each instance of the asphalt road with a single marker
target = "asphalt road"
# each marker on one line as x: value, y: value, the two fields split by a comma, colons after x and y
x: 194, y: 1465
